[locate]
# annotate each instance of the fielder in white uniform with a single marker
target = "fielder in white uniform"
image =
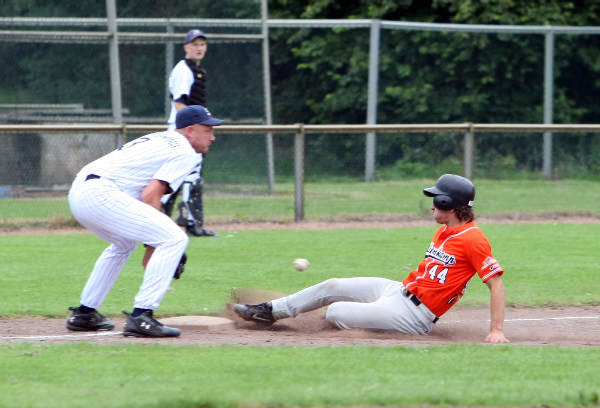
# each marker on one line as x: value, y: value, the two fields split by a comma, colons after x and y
x: 118, y: 198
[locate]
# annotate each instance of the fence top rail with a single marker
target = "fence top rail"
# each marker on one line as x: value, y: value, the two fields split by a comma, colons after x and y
x: 491, y: 28
x: 183, y: 22
x: 288, y: 23
x: 532, y: 127
x: 103, y: 36
x: 302, y: 128
x: 129, y: 22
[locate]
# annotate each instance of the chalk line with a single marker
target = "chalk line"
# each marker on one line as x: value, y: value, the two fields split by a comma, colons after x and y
x: 534, y: 319
x: 60, y: 336
x: 529, y: 319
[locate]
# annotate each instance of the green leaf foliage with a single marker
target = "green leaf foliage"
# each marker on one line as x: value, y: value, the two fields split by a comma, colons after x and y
x: 320, y: 75
x: 441, y: 77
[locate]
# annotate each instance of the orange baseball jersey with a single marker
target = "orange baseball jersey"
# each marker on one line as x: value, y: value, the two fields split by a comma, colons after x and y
x: 451, y: 261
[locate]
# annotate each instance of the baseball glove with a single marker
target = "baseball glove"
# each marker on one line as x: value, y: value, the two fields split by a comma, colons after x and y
x: 181, y: 267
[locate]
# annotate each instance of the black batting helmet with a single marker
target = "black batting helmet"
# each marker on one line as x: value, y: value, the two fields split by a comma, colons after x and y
x: 451, y: 191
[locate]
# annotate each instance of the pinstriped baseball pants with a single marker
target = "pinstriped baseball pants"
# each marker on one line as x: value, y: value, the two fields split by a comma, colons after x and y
x: 123, y: 221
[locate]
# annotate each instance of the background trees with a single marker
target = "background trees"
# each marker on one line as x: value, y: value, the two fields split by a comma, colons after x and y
x: 428, y: 77
x: 320, y: 75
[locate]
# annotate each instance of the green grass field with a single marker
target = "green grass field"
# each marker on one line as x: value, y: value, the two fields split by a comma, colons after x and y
x: 225, y: 376
x: 49, y: 280
x: 44, y: 274
x: 343, y: 200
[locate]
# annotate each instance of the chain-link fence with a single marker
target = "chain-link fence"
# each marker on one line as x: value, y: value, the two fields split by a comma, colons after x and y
x: 50, y: 159
x: 64, y: 76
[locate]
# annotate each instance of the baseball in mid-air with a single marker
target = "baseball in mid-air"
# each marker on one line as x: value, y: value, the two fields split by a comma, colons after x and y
x: 301, y: 264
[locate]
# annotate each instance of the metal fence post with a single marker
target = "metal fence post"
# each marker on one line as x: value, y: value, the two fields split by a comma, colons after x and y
x: 169, y: 57
x: 370, y: 142
x: 113, y: 52
x: 469, y: 149
x: 299, y: 174
x: 548, y: 103
x: 267, y: 89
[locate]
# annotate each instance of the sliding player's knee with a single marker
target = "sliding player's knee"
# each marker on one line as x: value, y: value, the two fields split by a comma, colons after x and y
x: 336, y: 315
x: 330, y: 285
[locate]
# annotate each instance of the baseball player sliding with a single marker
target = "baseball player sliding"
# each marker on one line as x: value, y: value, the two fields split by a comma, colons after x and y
x: 118, y: 198
x: 458, y: 251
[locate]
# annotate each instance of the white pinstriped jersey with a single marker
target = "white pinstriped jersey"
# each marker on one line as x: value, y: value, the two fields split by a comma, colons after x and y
x: 167, y: 156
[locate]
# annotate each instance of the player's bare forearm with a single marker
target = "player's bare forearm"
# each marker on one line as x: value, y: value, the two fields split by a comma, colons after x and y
x: 179, y: 106
x: 497, y: 302
x: 147, y: 256
x: 153, y: 192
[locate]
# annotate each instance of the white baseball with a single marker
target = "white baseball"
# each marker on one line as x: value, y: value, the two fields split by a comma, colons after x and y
x: 301, y: 264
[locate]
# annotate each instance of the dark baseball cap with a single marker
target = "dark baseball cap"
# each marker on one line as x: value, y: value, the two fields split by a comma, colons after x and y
x: 193, y: 114
x: 193, y: 34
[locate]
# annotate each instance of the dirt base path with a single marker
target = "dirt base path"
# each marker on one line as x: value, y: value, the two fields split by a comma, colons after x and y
x: 399, y: 221
x: 562, y: 326
x: 557, y: 326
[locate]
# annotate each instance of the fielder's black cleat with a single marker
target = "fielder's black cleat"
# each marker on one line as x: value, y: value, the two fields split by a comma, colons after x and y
x: 261, y: 313
x: 90, y: 321
x: 145, y: 325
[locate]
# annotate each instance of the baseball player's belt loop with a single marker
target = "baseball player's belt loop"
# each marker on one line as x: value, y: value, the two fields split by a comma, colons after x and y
x: 91, y: 177
x: 416, y: 301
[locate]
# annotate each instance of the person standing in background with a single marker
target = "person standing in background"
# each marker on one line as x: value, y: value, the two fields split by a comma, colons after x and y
x: 187, y: 86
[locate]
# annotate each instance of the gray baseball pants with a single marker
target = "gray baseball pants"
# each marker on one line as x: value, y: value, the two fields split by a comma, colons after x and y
x: 360, y: 303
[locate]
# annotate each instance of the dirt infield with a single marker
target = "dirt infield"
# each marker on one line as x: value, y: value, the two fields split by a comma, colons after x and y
x: 562, y: 326
x: 398, y: 221
x: 557, y: 326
